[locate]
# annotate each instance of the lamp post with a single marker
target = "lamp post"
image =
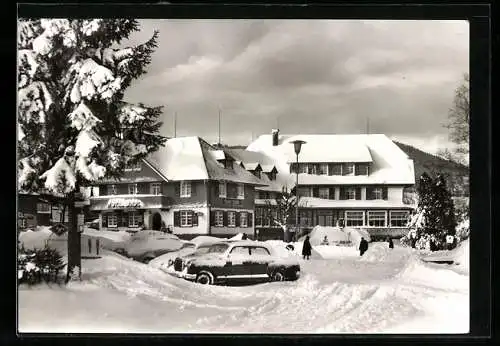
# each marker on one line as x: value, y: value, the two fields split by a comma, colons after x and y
x: 297, y: 145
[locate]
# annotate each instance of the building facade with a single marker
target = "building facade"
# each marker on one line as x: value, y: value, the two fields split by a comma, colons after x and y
x: 361, y: 181
x: 188, y: 186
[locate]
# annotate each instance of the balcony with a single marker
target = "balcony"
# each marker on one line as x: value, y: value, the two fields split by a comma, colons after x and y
x: 124, y: 202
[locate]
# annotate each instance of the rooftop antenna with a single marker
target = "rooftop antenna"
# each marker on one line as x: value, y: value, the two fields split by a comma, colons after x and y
x: 175, y: 124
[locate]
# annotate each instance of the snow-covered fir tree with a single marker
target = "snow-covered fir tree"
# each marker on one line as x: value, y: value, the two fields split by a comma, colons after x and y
x: 435, y: 215
x: 74, y: 126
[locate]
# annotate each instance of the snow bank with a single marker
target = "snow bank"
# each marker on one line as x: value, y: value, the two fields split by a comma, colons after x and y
x: 376, y: 252
x: 110, y: 240
x: 152, y: 243
x: 331, y: 252
x: 35, y: 239
x: 461, y: 256
x: 205, y: 239
x: 278, y: 247
x: 238, y: 236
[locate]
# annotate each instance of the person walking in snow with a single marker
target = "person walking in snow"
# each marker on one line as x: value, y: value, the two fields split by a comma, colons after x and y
x: 391, y: 244
x: 363, y: 246
x: 306, y: 248
x: 244, y: 236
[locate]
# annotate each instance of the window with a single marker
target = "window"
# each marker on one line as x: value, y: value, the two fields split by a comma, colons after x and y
x: 240, y: 191
x: 222, y: 189
x: 219, y: 218
x: 258, y: 217
x: 274, y: 217
x: 377, y: 193
x: 243, y: 220
x: 271, y: 175
x: 323, y: 169
x: 313, y: 169
x: 305, y: 218
x: 256, y: 173
x: 362, y: 169
x: 133, y: 219
x: 240, y: 251
x: 354, y: 218
x: 303, y: 168
x: 350, y: 193
x: 231, y: 219
x: 186, y: 218
x: 111, y: 189
x: 22, y: 222
x: 376, y: 218
x: 112, y: 220
x: 228, y: 164
x: 132, y: 189
x: 348, y: 169
x: 218, y: 248
x: 324, y: 192
x: 259, y: 251
x: 185, y: 189
x: 266, y: 217
x: 156, y: 189
x: 336, y: 169
x: 304, y: 192
x: 399, y: 218
x: 43, y: 208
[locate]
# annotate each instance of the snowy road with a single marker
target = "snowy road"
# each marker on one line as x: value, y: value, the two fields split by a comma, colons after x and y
x: 385, y: 291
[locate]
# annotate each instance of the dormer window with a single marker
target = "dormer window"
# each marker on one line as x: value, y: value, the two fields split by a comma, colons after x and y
x: 323, y: 169
x: 256, y: 173
x: 271, y: 175
x: 228, y: 164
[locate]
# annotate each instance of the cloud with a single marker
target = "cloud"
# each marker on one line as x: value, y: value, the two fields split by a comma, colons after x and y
x: 315, y: 76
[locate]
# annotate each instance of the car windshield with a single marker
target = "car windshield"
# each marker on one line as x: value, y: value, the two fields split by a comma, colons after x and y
x: 202, y: 250
x: 218, y: 248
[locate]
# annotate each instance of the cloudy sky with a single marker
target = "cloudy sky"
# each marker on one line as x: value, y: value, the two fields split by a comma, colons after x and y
x: 310, y: 76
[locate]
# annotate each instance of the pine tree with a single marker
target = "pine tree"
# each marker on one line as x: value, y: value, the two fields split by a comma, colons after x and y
x: 74, y: 126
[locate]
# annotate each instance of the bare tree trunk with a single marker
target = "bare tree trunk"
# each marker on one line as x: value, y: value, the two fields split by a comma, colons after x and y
x: 74, y: 241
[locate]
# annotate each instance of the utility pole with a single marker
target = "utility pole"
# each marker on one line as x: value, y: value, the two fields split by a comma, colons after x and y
x: 219, y: 127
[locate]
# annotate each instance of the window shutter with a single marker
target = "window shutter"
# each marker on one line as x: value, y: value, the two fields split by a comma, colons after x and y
x: 330, y: 169
x: 384, y: 192
x: 331, y: 193
x: 212, y: 218
x: 177, y: 219
x: 315, y: 191
x: 178, y: 189
x: 342, y: 193
x: 104, y: 220
x: 224, y: 213
x: 249, y: 219
x: 194, y: 217
x: 237, y: 217
x: 369, y: 193
x: 358, y: 193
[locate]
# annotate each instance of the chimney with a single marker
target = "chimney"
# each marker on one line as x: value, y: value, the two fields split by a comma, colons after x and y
x: 275, y: 134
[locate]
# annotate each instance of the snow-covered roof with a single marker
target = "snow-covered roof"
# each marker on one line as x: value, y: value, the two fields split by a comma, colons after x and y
x: 313, y: 202
x: 251, y: 158
x: 389, y: 164
x: 191, y: 158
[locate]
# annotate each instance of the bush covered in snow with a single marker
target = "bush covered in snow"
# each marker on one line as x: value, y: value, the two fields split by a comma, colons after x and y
x: 35, y: 266
x: 463, y: 230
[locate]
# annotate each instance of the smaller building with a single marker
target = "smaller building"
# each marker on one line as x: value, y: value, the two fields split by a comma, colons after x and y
x: 188, y: 186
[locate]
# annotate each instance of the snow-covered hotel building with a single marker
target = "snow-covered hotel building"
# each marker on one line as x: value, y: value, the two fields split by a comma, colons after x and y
x: 189, y: 185
x: 361, y: 179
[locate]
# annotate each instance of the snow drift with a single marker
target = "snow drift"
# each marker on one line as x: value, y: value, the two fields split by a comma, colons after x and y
x: 336, y: 235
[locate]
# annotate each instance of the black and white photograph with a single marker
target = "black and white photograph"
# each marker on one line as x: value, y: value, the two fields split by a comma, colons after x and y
x: 243, y: 176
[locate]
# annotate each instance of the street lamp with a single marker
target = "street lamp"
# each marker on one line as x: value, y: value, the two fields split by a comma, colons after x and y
x: 297, y: 145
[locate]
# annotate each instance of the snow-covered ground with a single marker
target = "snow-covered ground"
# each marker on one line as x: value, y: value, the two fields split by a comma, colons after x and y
x: 385, y: 291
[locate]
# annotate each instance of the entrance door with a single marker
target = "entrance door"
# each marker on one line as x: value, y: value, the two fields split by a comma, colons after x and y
x: 156, y: 222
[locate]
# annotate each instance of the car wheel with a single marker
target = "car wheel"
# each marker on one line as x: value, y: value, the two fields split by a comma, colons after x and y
x: 278, y: 276
x: 205, y: 278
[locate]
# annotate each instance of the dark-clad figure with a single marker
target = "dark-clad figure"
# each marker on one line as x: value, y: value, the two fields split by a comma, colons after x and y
x: 363, y: 246
x: 391, y: 244
x: 306, y: 248
x: 244, y: 236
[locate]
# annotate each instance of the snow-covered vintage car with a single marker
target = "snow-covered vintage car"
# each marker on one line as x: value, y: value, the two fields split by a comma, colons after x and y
x: 236, y: 261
